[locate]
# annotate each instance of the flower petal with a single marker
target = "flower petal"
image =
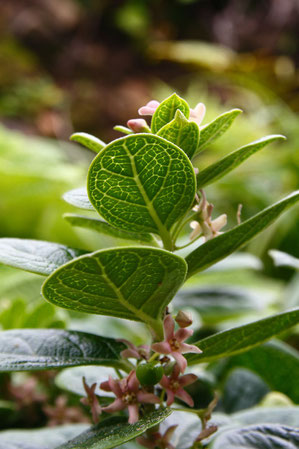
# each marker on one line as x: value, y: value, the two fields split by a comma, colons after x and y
x: 115, y: 387
x: 149, y: 108
x: 149, y: 398
x: 187, y: 379
x: 130, y: 353
x: 183, y: 334
x: 138, y: 125
x: 164, y: 382
x: 168, y: 325
x: 184, y: 347
x: 170, y: 397
x: 181, y: 361
x: 133, y: 382
x: 182, y: 394
x: 116, y: 406
x: 162, y: 348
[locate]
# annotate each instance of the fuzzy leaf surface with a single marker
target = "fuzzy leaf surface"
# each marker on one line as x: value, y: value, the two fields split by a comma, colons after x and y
x: 243, y: 338
x: 165, y: 112
x: 114, y: 431
x: 225, y: 244
x: 182, y: 133
x: 35, y: 256
x: 40, y: 349
x: 216, y: 128
x: 232, y: 160
x: 133, y: 283
x: 88, y: 141
x: 78, y: 198
x: 141, y: 183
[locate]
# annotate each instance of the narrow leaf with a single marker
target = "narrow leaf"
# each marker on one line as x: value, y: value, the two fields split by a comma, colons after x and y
x: 36, y: 256
x: 123, y: 129
x: 133, y: 283
x: 216, y: 128
x: 114, y: 431
x: 89, y: 141
x: 40, y: 349
x: 182, y: 133
x: 105, y: 228
x: 141, y: 183
x: 225, y: 244
x: 243, y: 338
x: 232, y: 160
x: 283, y: 259
x: 78, y: 198
x: 165, y: 112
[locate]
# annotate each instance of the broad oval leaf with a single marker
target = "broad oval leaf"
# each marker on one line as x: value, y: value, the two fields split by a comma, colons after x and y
x: 47, y: 438
x: 89, y: 141
x: 105, y: 228
x: 273, y: 415
x: 39, y: 349
x: 225, y: 244
x: 133, y: 283
x: 264, y: 436
x: 283, y: 259
x: 243, y: 338
x: 166, y: 110
x: 141, y: 183
x: 114, y: 431
x: 216, y: 128
x: 232, y: 160
x: 78, y: 198
x: 36, y: 256
x: 182, y: 133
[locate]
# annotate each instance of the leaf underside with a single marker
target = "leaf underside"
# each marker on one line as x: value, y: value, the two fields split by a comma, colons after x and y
x: 89, y: 141
x: 141, y: 183
x: 78, y: 198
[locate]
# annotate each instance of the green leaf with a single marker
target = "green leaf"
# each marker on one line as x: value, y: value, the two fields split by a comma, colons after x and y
x: 273, y: 415
x: 283, y: 259
x: 216, y: 128
x: 47, y: 438
x: 243, y: 338
x: 105, y: 228
x: 78, y: 198
x: 142, y: 183
x: 114, y: 431
x: 35, y: 256
x: 165, y: 112
x: 89, y: 141
x: 123, y: 129
x: 182, y: 133
x: 39, y: 349
x: 232, y: 160
x: 225, y: 244
x: 133, y: 283
x: 264, y: 436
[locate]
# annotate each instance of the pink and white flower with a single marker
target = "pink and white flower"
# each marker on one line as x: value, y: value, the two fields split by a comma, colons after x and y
x: 174, y: 386
x: 157, y: 440
x: 135, y: 352
x: 196, y: 115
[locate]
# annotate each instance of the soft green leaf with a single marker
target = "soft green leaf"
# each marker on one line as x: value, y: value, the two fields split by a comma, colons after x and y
x: 264, y: 436
x: 133, y: 283
x: 78, y: 198
x: 89, y: 141
x: 35, y: 256
x: 223, y: 245
x: 47, y: 438
x: 273, y: 415
x: 216, y: 128
x: 182, y: 133
x: 232, y: 160
x: 114, y: 431
x: 165, y: 112
x: 30, y: 349
x: 243, y: 338
x: 123, y: 129
x: 141, y: 183
x: 283, y: 259
x: 105, y: 228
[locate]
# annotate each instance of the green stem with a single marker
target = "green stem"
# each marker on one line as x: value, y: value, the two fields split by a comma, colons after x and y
x: 181, y: 224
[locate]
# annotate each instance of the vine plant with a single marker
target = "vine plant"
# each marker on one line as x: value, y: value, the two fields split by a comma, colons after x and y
x: 146, y: 190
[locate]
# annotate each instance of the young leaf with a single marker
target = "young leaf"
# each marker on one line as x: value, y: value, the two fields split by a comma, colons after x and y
x: 89, y: 141
x: 36, y: 256
x: 283, y: 259
x: 263, y: 436
x: 232, y: 160
x: 40, y: 349
x: 216, y: 128
x: 142, y: 183
x: 123, y: 129
x: 105, y: 228
x: 182, y: 133
x: 225, y: 244
x: 114, y: 431
x: 133, y: 283
x: 243, y: 338
x: 78, y: 198
x: 165, y: 112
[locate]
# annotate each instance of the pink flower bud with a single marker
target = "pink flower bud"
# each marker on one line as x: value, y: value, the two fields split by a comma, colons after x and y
x: 138, y: 125
x: 184, y: 319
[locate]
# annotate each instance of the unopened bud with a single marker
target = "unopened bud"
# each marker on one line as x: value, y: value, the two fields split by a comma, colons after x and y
x: 138, y: 125
x: 184, y: 319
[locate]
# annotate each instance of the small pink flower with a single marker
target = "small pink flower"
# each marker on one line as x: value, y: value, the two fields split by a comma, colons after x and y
x: 149, y: 108
x: 173, y: 343
x: 174, y: 386
x: 128, y: 395
x: 138, y: 125
x: 157, y: 440
x: 135, y: 352
x: 196, y: 115
x: 91, y: 400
